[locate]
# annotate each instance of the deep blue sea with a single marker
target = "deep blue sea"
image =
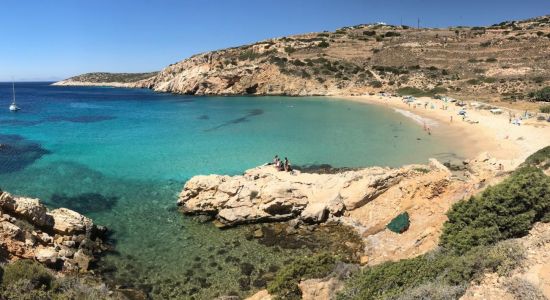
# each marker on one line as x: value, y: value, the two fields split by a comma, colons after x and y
x: 121, y: 156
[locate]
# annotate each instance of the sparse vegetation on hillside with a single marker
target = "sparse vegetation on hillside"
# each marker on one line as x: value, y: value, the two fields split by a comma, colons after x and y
x: 412, y: 91
x: 437, y: 272
x: 285, y: 284
x: 27, y: 279
x: 476, y: 239
x: 542, y: 94
x: 113, y: 77
x: 501, y: 62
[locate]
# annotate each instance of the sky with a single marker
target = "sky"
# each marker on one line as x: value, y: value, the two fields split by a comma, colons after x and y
x: 55, y: 39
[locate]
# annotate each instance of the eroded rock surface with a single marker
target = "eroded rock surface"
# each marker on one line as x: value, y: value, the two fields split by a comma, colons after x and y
x: 62, y: 239
x: 366, y: 199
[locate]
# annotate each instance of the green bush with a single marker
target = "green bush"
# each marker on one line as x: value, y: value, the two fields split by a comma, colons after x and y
x: 523, y: 289
x: 24, y: 289
x: 376, y: 84
x: 416, y: 92
x: 397, y: 280
x: 289, y: 49
x: 248, y: 55
x: 485, y: 44
x: 473, y: 81
x: 392, y: 33
x: 433, y: 290
x: 504, y: 211
x: 323, y: 44
x: 285, y: 283
x: 24, y: 269
x: 543, y: 94
x: 540, y: 158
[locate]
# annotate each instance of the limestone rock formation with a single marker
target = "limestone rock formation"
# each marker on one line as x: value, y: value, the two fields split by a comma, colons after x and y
x: 62, y: 239
x: 365, y: 199
x: 265, y: 194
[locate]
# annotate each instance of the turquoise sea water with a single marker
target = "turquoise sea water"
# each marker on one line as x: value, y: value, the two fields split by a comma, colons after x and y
x: 121, y: 156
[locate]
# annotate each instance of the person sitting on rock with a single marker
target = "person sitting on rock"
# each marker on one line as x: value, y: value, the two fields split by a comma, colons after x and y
x: 275, y: 160
x: 287, y: 165
x: 278, y: 164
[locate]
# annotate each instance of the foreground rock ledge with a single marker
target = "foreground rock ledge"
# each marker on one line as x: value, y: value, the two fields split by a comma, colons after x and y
x: 61, y: 238
x: 366, y: 199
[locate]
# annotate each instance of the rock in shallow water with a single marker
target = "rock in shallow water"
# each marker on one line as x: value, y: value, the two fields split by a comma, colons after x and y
x: 265, y: 194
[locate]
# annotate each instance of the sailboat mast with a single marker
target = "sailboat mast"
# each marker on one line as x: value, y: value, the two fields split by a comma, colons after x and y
x: 13, y: 89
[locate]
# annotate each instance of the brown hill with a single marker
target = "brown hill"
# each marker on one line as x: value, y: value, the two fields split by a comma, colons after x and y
x: 503, y: 61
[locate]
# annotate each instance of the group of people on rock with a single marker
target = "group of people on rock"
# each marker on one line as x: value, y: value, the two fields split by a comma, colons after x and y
x: 282, y: 165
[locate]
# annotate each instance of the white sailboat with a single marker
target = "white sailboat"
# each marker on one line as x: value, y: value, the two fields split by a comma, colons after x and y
x: 13, y: 106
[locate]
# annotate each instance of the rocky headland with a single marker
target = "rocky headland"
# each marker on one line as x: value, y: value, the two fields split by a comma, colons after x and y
x: 125, y: 80
x: 365, y: 199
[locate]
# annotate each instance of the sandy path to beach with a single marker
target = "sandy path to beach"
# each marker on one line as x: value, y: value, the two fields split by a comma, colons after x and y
x: 493, y: 133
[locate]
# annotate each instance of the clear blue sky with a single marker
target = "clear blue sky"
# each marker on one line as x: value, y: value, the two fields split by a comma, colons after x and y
x: 54, y: 39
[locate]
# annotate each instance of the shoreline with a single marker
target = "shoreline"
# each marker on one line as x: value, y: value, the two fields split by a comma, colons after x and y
x: 493, y: 133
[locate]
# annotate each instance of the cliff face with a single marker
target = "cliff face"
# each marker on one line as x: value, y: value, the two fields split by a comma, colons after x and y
x: 506, y: 60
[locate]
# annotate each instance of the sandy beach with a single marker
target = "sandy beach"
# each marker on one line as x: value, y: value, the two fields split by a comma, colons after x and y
x: 485, y: 131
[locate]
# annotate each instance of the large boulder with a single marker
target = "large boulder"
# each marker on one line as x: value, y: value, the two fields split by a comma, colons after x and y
x: 315, y: 213
x: 61, y: 238
x: 67, y: 221
x: 320, y: 289
x: 46, y: 255
x: 27, y: 208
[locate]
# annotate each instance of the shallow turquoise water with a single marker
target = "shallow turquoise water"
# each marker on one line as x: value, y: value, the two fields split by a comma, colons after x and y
x: 121, y: 156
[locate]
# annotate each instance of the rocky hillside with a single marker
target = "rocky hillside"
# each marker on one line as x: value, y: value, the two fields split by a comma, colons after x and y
x: 109, y: 79
x: 503, y: 61
x: 529, y: 280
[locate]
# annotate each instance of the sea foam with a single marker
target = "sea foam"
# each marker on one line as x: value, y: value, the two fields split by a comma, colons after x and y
x: 418, y: 119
